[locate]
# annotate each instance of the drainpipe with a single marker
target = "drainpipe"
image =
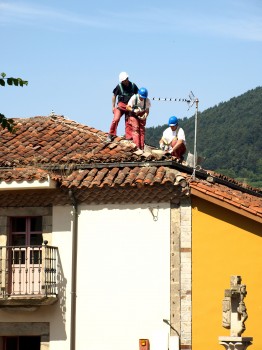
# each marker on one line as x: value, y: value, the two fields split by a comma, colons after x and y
x: 73, y: 271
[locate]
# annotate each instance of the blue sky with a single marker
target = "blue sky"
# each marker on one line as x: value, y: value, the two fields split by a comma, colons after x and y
x: 72, y: 52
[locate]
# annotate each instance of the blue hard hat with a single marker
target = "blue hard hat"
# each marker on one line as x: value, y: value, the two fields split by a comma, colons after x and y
x: 173, y: 121
x: 142, y: 92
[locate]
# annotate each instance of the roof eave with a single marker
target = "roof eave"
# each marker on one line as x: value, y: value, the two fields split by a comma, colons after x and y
x: 225, y: 205
x: 28, y: 185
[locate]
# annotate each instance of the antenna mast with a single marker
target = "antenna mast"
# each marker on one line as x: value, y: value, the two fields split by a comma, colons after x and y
x: 195, y: 100
x: 191, y: 100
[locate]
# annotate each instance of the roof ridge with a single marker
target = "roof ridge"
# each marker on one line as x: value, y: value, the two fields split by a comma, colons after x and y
x: 69, y: 122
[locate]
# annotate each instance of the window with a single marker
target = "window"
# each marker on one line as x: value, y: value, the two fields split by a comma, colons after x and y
x: 25, y: 255
x: 26, y: 231
x: 22, y: 343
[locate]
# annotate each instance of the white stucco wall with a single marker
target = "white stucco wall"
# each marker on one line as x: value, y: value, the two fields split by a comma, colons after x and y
x: 123, y: 281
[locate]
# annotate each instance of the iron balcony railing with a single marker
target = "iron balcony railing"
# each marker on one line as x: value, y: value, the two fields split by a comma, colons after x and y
x: 28, y: 271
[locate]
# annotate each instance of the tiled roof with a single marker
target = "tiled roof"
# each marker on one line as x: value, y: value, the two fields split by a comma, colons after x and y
x: 126, y: 176
x: 105, y: 185
x: 78, y: 157
x: 56, y: 140
x: 226, y: 195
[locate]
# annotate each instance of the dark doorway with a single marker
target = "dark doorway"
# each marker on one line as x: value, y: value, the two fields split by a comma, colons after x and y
x: 22, y: 343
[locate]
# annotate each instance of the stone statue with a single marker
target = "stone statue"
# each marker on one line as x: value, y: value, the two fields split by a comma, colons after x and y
x: 234, y: 308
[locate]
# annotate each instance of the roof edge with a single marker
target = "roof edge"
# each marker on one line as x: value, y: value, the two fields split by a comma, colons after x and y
x: 228, y: 206
x: 28, y: 185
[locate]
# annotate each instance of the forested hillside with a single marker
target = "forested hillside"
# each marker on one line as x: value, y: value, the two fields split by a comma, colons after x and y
x: 229, y: 136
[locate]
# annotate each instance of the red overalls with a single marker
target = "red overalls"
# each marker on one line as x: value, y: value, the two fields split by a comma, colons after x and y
x: 138, y: 129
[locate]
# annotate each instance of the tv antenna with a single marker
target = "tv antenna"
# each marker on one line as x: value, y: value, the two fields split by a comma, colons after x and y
x: 191, y: 100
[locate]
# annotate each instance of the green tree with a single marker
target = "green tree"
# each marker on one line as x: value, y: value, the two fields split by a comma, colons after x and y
x: 228, y: 137
x: 6, y: 123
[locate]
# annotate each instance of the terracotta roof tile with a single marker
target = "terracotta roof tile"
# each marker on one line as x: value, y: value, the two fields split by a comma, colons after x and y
x: 160, y: 173
x: 90, y: 175
x: 222, y: 194
x: 120, y: 178
x: 98, y: 180
x: 257, y: 209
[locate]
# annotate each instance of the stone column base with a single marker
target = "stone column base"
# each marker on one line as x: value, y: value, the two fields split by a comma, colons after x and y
x: 235, y: 343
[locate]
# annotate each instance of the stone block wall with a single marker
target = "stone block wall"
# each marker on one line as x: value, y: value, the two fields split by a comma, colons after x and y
x: 181, y: 273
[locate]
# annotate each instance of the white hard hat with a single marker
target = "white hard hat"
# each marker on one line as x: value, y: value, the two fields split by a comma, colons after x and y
x: 123, y: 76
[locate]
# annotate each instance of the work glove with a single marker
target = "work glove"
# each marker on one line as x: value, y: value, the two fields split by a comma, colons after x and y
x: 162, y: 146
x: 143, y: 117
x: 137, y: 110
x: 165, y: 142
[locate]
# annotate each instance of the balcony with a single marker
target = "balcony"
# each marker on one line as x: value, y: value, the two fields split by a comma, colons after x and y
x: 28, y: 276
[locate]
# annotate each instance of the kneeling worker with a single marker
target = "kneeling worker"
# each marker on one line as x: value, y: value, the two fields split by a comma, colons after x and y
x: 173, y: 139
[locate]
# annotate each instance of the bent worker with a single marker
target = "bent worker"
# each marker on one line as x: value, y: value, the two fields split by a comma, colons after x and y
x: 121, y: 94
x: 173, y: 139
x: 138, y: 106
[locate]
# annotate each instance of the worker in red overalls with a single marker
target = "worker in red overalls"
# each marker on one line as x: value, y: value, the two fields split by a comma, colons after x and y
x: 138, y: 106
x: 122, y: 93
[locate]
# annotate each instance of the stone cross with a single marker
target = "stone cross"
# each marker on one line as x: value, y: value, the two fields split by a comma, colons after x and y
x: 234, y: 308
x: 234, y: 316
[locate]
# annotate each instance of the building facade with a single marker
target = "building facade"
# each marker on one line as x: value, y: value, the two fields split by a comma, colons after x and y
x: 104, y: 246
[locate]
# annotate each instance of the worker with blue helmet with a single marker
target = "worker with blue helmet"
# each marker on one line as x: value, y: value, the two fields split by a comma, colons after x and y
x: 143, y: 93
x: 173, y: 140
x: 138, y: 106
x: 173, y: 121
